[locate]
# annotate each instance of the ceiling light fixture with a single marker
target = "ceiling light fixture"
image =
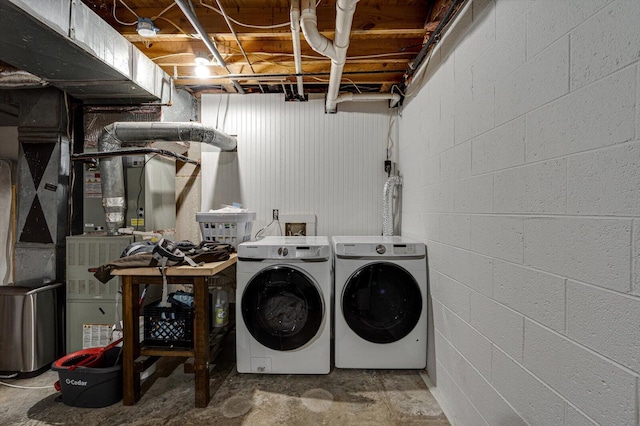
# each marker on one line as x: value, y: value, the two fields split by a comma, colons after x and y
x: 201, y: 58
x: 202, y: 64
x: 202, y: 71
x: 146, y: 28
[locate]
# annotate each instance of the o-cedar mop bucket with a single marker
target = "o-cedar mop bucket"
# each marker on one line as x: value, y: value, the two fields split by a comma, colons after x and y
x: 90, y: 378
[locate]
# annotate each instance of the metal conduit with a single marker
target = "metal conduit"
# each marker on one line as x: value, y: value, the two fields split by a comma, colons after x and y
x: 193, y: 19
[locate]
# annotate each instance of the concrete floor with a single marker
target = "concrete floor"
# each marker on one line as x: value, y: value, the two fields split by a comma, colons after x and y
x: 343, y: 397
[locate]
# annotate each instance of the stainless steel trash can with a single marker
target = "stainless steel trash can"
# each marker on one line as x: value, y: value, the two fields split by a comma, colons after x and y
x: 31, y: 316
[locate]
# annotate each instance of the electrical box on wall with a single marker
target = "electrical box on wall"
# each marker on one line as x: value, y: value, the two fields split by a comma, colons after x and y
x: 303, y: 224
x: 149, y: 187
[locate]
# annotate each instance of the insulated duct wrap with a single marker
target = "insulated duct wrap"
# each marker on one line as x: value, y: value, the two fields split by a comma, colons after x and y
x: 16, y: 79
x: 119, y: 134
x: 387, y: 204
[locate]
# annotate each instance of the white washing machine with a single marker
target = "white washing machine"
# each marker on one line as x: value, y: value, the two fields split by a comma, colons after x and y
x: 380, y: 302
x: 283, y: 301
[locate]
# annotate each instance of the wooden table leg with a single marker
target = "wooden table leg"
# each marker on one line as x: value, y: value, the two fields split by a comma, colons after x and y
x: 130, y: 344
x: 201, y: 341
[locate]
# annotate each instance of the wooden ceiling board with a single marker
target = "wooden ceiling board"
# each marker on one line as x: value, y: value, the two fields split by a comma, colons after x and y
x: 385, y: 37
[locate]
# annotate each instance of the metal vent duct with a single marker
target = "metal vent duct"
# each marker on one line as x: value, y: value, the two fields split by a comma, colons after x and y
x: 68, y: 45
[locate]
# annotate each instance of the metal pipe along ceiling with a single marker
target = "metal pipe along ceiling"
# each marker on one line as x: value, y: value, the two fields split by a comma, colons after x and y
x: 193, y: 19
x: 117, y: 134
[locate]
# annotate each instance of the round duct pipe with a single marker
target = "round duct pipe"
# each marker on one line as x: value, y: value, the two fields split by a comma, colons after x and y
x: 115, y: 135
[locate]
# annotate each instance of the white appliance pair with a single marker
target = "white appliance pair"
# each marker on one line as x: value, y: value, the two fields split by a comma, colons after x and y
x: 286, y: 293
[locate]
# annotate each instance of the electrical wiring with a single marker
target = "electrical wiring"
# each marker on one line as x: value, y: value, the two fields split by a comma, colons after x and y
x: 317, y: 57
x: 258, y: 27
x: 163, y: 12
x: 380, y: 55
x: 235, y: 36
x: 176, y: 26
x: 390, y: 141
x: 130, y: 10
x: 172, y: 54
x: 353, y: 83
x: 418, y: 77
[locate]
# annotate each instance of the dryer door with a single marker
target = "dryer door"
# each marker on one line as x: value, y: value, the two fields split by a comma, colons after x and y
x: 282, y: 308
x: 381, y: 302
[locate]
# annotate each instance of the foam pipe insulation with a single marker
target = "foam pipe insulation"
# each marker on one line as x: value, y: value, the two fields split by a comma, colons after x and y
x: 115, y: 135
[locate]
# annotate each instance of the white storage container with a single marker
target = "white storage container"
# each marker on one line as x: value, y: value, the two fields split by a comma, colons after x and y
x: 228, y: 228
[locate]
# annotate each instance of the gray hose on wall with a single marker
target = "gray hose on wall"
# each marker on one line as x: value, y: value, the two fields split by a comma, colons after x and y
x: 387, y: 204
x: 115, y: 135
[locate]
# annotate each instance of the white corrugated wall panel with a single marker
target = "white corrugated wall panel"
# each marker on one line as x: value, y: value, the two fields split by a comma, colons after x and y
x: 295, y: 158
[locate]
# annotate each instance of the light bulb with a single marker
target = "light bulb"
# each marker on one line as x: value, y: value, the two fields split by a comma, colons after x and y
x: 202, y: 71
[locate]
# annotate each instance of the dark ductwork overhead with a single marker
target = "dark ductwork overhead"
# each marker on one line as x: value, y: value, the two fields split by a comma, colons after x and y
x: 68, y: 45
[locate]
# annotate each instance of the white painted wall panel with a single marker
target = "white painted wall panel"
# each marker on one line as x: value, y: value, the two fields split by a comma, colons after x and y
x: 295, y: 158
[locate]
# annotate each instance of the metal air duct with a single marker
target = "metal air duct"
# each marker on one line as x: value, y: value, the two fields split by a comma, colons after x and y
x: 69, y: 46
x: 115, y: 135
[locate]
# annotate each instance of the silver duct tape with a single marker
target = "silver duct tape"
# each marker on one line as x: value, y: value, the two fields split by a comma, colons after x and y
x: 114, y: 217
x: 113, y: 202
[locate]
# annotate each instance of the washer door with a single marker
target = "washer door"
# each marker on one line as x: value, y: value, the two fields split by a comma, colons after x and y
x: 381, y: 302
x: 282, y: 308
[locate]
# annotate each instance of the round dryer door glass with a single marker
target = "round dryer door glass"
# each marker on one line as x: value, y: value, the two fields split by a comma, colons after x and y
x: 381, y: 302
x: 282, y: 308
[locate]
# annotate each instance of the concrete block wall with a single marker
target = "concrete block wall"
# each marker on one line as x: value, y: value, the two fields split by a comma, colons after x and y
x: 520, y: 147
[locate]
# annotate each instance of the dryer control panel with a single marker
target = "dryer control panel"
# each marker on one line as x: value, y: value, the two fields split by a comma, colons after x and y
x: 380, y: 248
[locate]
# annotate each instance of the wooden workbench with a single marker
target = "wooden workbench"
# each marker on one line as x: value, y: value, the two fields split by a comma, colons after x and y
x: 132, y: 349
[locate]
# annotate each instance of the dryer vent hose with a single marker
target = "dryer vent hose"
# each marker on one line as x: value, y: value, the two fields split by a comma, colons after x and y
x: 387, y: 204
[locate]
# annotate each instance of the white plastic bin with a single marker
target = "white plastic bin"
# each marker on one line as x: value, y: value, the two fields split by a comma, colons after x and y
x: 228, y: 228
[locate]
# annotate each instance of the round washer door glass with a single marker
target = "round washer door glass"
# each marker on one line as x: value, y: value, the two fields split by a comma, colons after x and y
x: 282, y: 308
x: 381, y: 302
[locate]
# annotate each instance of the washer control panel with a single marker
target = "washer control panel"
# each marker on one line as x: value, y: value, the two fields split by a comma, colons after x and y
x: 273, y: 248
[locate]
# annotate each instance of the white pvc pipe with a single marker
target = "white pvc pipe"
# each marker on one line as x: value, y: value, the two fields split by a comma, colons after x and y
x: 336, y: 50
x: 295, y: 35
x: 309, y: 24
x: 394, y: 98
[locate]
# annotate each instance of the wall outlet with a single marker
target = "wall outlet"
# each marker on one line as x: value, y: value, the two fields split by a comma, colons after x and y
x: 276, y: 214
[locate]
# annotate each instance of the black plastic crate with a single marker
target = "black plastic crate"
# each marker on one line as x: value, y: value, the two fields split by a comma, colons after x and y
x: 168, y: 327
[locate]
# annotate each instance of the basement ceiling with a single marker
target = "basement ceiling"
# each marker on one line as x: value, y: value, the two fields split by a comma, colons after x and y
x: 386, y: 38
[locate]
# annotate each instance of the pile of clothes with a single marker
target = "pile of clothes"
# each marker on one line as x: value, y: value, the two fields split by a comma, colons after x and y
x: 165, y: 253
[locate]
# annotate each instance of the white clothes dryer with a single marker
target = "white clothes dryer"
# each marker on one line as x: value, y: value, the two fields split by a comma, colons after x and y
x: 283, y: 300
x: 380, y: 302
